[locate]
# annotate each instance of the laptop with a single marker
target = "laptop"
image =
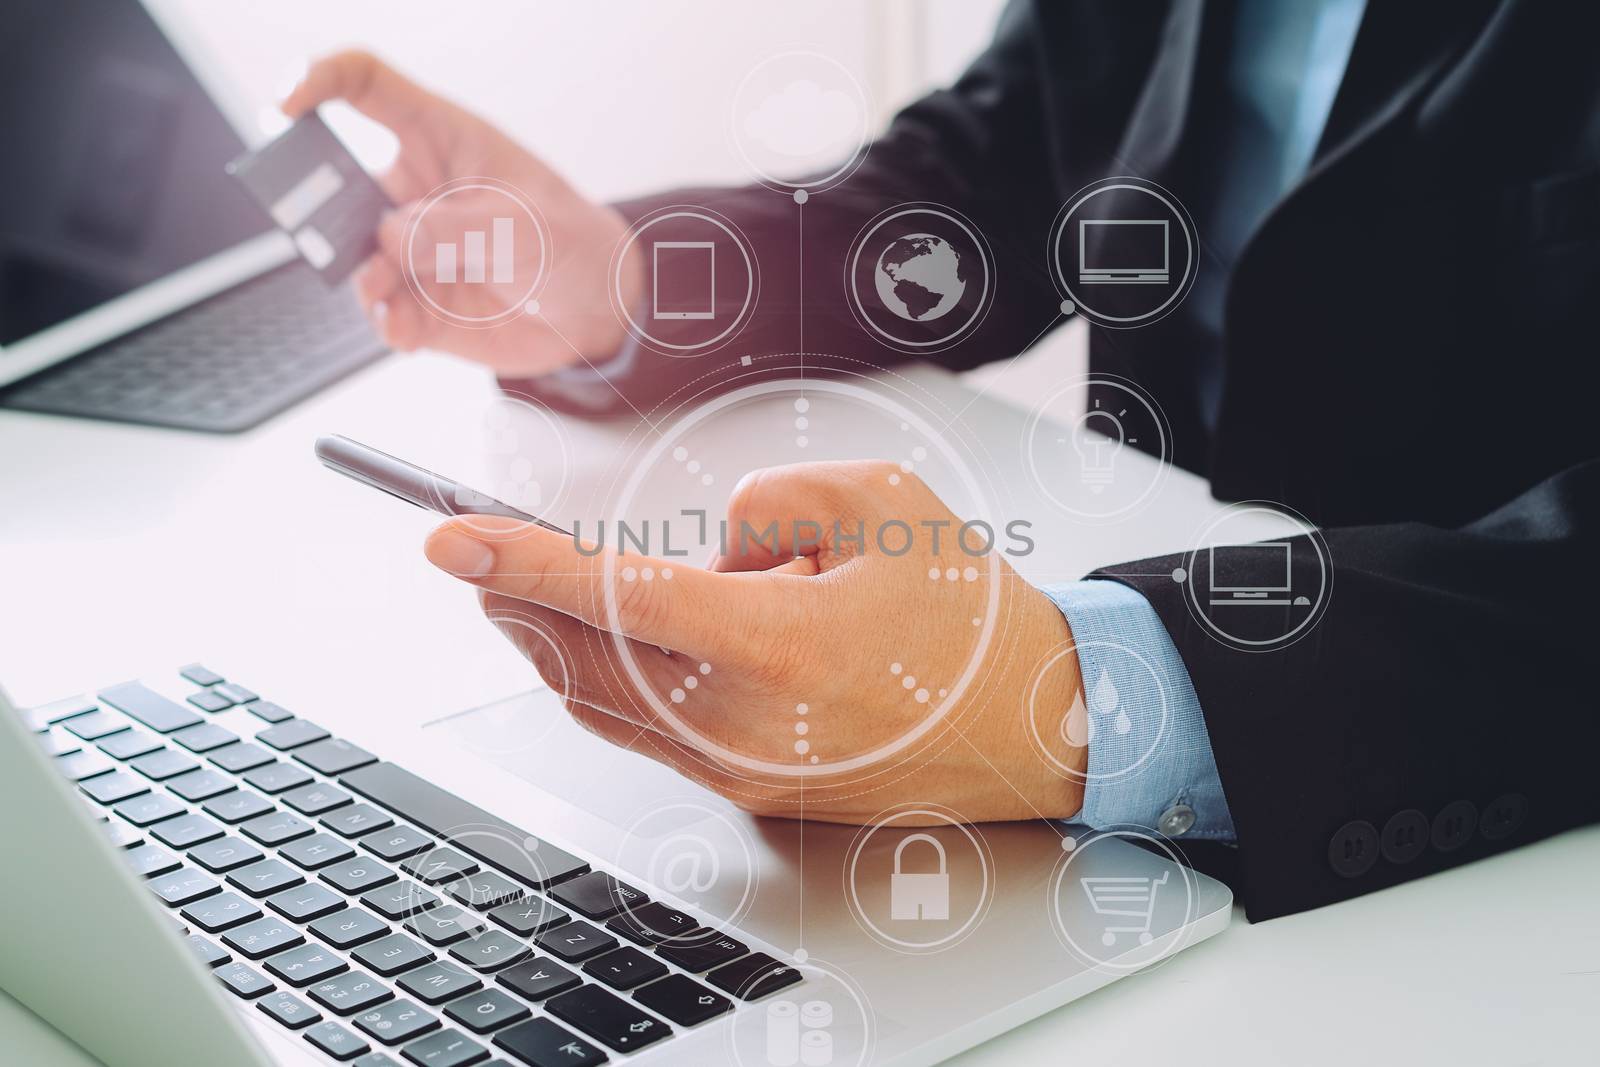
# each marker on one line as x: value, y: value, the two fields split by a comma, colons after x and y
x: 138, y: 282
x: 214, y: 879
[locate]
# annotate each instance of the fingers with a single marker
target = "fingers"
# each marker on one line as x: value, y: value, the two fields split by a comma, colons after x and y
x: 367, y: 84
x: 676, y: 606
x: 779, y: 514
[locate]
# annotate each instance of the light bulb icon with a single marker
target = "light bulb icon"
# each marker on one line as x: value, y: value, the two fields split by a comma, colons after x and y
x: 1097, y: 437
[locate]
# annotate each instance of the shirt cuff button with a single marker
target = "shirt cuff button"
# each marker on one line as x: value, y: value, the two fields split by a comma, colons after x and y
x: 1176, y: 820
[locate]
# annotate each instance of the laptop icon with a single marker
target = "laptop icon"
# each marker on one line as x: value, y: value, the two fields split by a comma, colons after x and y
x: 1124, y: 252
x: 1271, y: 562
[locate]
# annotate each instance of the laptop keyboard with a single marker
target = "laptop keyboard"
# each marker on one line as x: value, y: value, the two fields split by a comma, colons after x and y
x: 374, y: 913
x: 222, y: 365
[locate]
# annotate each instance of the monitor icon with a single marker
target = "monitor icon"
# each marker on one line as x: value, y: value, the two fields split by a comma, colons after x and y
x: 689, y: 271
x: 1124, y: 252
x: 1271, y: 564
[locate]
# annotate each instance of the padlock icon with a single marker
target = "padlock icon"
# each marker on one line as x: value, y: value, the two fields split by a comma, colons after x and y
x: 919, y: 896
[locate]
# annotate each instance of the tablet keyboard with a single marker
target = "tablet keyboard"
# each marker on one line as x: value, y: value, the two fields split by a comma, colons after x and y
x: 374, y: 913
x: 221, y: 365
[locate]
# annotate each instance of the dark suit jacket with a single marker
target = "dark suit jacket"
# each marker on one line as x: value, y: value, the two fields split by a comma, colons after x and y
x: 1410, y: 359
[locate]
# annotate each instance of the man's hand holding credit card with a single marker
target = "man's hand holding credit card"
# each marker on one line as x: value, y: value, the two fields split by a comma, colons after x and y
x: 317, y: 192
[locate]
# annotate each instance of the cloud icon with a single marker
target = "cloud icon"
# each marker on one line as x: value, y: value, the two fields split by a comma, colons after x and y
x: 803, y: 120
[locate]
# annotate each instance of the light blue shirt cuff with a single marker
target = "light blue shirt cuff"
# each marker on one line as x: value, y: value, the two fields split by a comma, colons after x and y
x: 1150, y: 760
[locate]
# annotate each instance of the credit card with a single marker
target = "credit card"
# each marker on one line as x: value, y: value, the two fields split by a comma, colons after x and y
x: 314, y: 189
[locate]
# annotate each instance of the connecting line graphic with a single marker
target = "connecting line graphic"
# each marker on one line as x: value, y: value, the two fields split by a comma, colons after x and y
x: 985, y: 387
x: 603, y: 378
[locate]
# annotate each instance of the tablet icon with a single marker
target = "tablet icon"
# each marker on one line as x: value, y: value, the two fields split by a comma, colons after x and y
x: 690, y: 271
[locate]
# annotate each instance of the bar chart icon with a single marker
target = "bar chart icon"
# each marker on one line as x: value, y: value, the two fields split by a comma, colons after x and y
x: 483, y: 256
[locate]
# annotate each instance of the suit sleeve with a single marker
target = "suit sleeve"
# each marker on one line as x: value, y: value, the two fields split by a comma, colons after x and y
x: 1441, y: 710
x: 978, y: 147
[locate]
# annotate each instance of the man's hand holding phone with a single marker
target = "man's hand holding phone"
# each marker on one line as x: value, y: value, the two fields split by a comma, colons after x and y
x: 441, y: 142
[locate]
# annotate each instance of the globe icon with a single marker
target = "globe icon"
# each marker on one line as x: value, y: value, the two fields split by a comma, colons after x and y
x: 920, y: 277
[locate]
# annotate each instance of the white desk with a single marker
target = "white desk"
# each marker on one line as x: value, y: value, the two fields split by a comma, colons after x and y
x: 125, y: 551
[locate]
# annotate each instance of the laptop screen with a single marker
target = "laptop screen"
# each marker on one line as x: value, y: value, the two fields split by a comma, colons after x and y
x: 113, y: 172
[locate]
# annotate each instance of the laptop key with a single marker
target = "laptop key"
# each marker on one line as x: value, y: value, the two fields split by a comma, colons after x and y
x: 486, y: 889
x: 349, y: 993
x: 355, y: 820
x: 444, y: 926
x: 357, y: 875
x: 702, y: 955
x: 46, y: 715
x: 200, y: 675
x: 438, y: 811
x: 607, y: 1018
x: 95, y: 725
x: 165, y: 763
x: 538, y: 978
x: 393, y: 954
x: 336, y: 1041
x: 119, y: 834
x: 204, y: 737
x: 200, y: 785
x: 396, y: 1021
x: 235, y: 692
x: 753, y: 977
x: 264, y: 937
x: 185, y: 831
x: 597, y: 895
x: 149, y: 808
x: 148, y: 861
x: 127, y: 744
x: 438, y: 982
x: 110, y: 788
x: 224, y: 854
x: 292, y: 733
x: 304, y: 903
x: 397, y: 842
x: 529, y: 916
x: 83, y: 764
x: 244, y: 981
x: 240, y: 756
x: 306, y: 964
x: 220, y: 911
x: 237, y: 806
x: 625, y: 968
x: 289, y: 1010
x: 269, y: 712
x: 149, y: 707
x: 314, y: 799
x: 315, y: 851
x: 439, y: 865
x: 333, y: 756
x: 182, y: 886
x: 276, y: 828
x: 682, y: 1000
x: 207, y: 952
x: 349, y: 928
x: 400, y: 900
x: 376, y: 1059
x: 447, y: 1048
x: 265, y: 878
x: 575, y: 942
x: 541, y: 1043
x: 485, y: 1010
x: 489, y: 951
x: 275, y: 777
x: 655, y: 924
x: 206, y: 700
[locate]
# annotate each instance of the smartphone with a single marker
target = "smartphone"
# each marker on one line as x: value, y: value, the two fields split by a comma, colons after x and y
x: 412, y: 484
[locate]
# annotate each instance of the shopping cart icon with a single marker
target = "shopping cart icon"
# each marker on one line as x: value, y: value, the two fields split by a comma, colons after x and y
x: 1133, y: 898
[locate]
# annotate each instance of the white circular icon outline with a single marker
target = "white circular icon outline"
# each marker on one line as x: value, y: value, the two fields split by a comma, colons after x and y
x: 1182, y: 935
x: 524, y: 204
x: 839, y: 174
x: 1087, y: 382
x: 1191, y: 242
x: 949, y: 817
x: 752, y: 881
x: 985, y: 259
x: 1308, y: 530
x: 811, y: 965
x: 619, y: 302
x: 1085, y: 776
